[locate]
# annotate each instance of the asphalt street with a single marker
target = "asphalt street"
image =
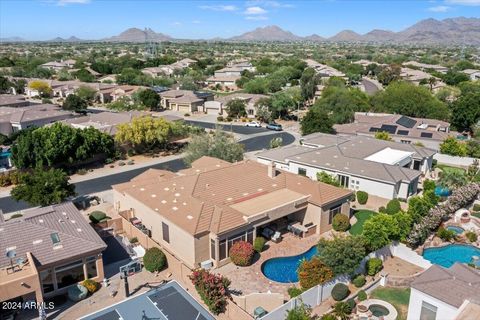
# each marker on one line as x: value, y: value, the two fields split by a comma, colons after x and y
x: 7, y: 204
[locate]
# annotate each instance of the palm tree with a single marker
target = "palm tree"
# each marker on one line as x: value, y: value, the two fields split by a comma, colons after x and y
x: 432, y: 81
x: 342, y: 310
x: 452, y: 179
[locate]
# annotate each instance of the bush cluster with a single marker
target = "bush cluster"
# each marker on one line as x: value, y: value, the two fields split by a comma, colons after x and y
x: 362, y: 197
x: 154, y: 259
x: 97, y: 216
x: 393, y: 206
x: 313, y: 272
x: 445, y: 234
x: 8, y: 179
x: 362, y: 295
x: 212, y: 288
x: 471, y: 236
x: 359, y: 281
x: 341, y: 223
x: 92, y: 286
x: 241, y: 253
x: 294, y: 292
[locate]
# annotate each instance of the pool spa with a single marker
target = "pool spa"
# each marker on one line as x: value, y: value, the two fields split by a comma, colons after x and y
x: 456, y: 229
x: 284, y: 269
x: 448, y: 255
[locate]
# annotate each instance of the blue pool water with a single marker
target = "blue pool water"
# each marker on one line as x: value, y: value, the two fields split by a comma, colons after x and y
x: 457, y: 230
x: 442, y: 192
x: 448, y: 255
x: 284, y: 269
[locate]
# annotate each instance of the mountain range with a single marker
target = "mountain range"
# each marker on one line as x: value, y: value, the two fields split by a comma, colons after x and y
x: 430, y: 31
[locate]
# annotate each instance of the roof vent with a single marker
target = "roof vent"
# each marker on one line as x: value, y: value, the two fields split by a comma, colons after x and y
x: 174, y: 208
x: 177, y: 194
x: 64, y: 213
x: 40, y: 220
x: 37, y: 241
x: 189, y: 217
x: 142, y: 189
x: 163, y: 201
x: 72, y: 221
x: 154, y: 195
x: 61, y: 221
x: 79, y: 229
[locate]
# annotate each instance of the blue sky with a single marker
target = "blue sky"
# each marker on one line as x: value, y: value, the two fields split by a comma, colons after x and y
x: 95, y: 19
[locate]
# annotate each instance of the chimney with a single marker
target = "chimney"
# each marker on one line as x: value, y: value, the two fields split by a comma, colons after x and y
x: 272, y: 170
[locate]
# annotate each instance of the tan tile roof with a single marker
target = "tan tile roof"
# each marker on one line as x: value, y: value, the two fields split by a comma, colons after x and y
x: 200, y: 199
x: 452, y: 286
x: 32, y: 233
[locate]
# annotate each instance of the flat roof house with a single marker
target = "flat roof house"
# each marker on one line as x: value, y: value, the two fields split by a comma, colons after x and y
x: 199, y: 213
x: 12, y: 100
x: 52, y: 248
x: 408, y: 130
x: 382, y: 168
x: 447, y: 294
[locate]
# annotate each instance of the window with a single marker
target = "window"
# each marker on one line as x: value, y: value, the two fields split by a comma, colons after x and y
x: 212, y: 249
x: 333, y: 212
x: 250, y: 236
x: 406, y: 141
x: 250, y: 112
x: 91, y: 264
x: 165, y: 232
x: 222, y: 250
x: 55, y: 238
x: 344, y: 180
x: 428, y: 312
x: 69, y: 274
x: 416, y: 165
x: 46, y: 280
x: 302, y: 172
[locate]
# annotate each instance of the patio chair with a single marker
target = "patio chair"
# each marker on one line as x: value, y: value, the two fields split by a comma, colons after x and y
x: 277, y: 237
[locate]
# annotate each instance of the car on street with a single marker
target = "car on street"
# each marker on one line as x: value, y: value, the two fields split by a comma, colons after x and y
x: 253, y: 124
x: 274, y: 126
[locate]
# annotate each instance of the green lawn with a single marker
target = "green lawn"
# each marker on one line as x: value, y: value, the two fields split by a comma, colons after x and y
x: 451, y: 169
x: 398, y: 297
x: 362, y: 216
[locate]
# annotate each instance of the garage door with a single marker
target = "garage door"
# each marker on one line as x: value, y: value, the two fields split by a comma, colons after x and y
x: 183, y: 108
x: 212, y: 111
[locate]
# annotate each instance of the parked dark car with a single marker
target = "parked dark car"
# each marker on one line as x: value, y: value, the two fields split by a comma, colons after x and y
x: 274, y: 126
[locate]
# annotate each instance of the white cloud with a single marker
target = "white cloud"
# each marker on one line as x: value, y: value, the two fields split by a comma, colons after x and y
x: 196, y: 21
x: 267, y: 3
x: 439, y: 9
x: 176, y: 24
x: 256, y: 18
x: 219, y: 8
x: 255, y: 11
x: 465, y: 2
x: 67, y: 2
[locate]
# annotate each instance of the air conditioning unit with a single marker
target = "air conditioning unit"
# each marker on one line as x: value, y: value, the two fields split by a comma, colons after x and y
x: 208, y: 264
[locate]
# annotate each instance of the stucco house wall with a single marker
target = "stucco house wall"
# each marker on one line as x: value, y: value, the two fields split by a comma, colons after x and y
x: 444, y: 310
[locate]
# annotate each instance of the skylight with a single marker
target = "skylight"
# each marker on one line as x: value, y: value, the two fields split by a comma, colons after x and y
x: 55, y: 238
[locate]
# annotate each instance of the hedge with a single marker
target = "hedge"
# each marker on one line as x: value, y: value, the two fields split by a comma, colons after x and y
x: 362, y: 197
x: 340, y: 291
x: 341, y: 223
x: 154, y: 259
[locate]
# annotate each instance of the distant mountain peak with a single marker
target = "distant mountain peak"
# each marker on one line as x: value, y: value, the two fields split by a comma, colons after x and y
x: 139, y: 35
x: 268, y: 33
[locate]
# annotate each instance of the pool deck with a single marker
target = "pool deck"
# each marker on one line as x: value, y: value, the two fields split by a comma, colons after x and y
x: 251, y: 279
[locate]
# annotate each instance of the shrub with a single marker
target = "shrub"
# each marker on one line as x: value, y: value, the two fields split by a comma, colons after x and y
x: 241, y: 253
x: 294, y: 292
x: 353, y: 197
x: 186, y: 114
x: 328, y: 316
x: 428, y: 185
x: 154, y: 259
x: 351, y: 303
x: 359, y: 281
x: 259, y: 243
x: 476, y: 207
x: 340, y: 291
x: 131, y: 152
x: 445, y: 234
x: 300, y: 312
x: 341, y: 223
x: 471, y: 236
x: 382, y: 209
x: 229, y: 119
x: 212, y: 288
x: 393, y: 206
x: 374, y: 265
x: 220, y: 119
x: 362, y: 295
x: 342, y: 310
x: 134, y: 240
x: 362, y: 197
x: 92, y: 286
x: 313, y: 272
x: 97, y: 216
x: 16, y: 215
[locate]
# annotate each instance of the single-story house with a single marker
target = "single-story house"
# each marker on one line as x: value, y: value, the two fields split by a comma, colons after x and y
x: 12, y: 100
x: 425, y: 66
x: 184, y: 100
x: 447, y: 294
x: 46, y: 251
x: 381, y: 168
x: 219, y: 105
x: 473, y: 74
x: 429, y: 132
x: 200, y: 212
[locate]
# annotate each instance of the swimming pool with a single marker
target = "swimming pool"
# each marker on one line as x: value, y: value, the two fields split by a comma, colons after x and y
x: 446, y: 256
x: 457, y: 230
x: 284, y: 269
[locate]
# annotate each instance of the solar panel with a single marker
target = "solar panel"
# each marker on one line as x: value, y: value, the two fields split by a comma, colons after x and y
x: 173, y: 305
x: 388, y: 128
x: 373, y: 129
x: 426, y: 134
x: 402, y: 132
x: 406, y: 122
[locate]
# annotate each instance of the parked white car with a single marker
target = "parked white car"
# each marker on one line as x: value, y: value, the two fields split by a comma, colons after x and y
x: 253, y: 124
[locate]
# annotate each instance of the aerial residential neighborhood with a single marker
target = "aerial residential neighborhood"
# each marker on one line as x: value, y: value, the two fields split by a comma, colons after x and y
x: 240, y: 160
